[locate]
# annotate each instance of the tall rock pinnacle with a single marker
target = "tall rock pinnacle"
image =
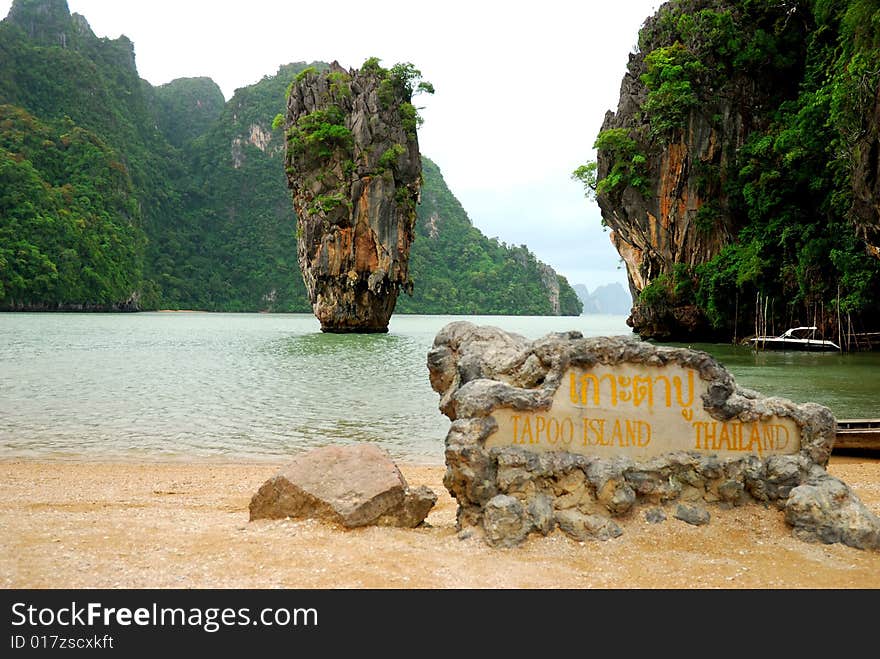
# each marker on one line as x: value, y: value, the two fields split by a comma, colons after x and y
x: 354, y: 170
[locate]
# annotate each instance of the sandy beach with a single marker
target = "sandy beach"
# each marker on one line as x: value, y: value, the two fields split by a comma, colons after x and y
x: 69, y: 524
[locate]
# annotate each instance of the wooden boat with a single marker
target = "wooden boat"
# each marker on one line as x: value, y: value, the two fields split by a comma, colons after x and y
x: 857, y: 435
x: 797, y: 338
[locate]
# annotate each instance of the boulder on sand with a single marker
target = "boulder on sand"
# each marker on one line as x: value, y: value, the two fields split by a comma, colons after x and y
x: 357, y: 485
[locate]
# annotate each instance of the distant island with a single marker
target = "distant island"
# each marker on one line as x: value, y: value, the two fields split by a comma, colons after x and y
x: 612, y: 299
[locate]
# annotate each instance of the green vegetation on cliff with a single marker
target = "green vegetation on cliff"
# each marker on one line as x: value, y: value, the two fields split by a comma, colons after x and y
x: 772, y: 191
x: 116, y: 192
x: 69, y: 223
x: 234, y: 245
x: 793, y: 186
x: 187, y: 107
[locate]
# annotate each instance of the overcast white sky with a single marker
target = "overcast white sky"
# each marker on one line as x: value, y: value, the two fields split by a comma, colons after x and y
x: 521, y: 89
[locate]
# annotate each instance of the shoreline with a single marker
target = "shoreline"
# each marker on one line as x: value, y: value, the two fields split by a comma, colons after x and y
x: 183, y: 460
x: 149, y: 524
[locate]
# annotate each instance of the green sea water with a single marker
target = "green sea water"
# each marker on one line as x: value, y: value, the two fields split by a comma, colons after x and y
x: 266, y: 386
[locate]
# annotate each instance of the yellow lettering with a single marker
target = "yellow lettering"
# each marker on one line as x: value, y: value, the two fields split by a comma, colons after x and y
x: 617, y: 434
x: 665, y: 380
x: 724, y: 438
x: 613, y: 385
x: 623, y: 392
x: 567, y: 431
x: 678, y: 395
x: 712, y: 437
x: 540, y: 426
x: 527, y: 429
x: 631, y: 433
x: 644, y: 437
x: 643, y: 388
x: 755, y: 439
x: 779, y: 443
x: 516, y: 438
x: 768, y: 437
x: 554, y: 437
x: 698, y: 427
x: 585, y: 380
x: 597, y: 428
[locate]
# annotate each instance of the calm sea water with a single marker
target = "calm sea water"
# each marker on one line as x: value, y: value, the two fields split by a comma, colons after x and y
x: 260, y: 386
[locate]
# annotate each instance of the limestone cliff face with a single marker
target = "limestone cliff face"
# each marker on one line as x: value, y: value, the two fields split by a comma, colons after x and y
x: 679, y: 214
x: 551, y: 283
x: 49, y: 22
x: 354, y: 169
x: 46, y: 21
x: 656, y: 229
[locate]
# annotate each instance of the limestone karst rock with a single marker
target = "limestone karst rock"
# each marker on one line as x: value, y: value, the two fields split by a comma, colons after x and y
x: 733, y: 144
x: 655, y: 226
x: 354, y: 170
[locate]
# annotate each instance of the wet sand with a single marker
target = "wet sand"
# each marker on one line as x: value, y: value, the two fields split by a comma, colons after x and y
x: 70, y: 524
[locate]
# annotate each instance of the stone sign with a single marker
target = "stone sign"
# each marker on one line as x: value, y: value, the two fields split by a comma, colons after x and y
x: 574, y: 433
x: 641, y: 411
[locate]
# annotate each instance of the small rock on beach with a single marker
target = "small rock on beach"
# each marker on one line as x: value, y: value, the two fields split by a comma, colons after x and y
x: 357, y: 485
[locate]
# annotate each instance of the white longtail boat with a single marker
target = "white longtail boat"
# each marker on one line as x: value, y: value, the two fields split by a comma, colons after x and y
x: 797, y: 338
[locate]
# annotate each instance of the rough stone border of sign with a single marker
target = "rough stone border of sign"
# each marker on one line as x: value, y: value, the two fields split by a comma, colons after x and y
x: 507, y: 493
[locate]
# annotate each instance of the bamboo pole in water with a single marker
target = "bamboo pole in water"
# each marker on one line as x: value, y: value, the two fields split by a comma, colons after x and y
x: 736, y: 317
x: 848, y: 330
x: 757, y: 314
x: 766, y: 307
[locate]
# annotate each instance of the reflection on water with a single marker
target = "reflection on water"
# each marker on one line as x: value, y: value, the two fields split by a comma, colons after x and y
x: 141, y: 386
x: 357, y: 346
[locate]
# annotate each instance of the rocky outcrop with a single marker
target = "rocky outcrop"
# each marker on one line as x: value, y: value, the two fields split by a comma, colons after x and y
x: 354, y: 169
x: 352, y: 486
x: 47, y: 21
x: 654, y: 229
x: 257, y: 136
x: 534, y: 447
x: 551, y: 282
x: 672, y: 209
x: 742, y: 132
